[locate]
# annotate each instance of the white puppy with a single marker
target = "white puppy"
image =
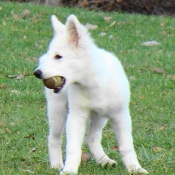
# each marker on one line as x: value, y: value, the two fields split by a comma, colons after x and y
x: 94, y: 88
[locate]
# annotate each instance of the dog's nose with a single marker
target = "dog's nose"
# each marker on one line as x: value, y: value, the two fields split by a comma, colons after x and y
x: 38, y: 73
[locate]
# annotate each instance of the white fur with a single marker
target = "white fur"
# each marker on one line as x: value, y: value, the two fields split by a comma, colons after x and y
x: 96, y: 89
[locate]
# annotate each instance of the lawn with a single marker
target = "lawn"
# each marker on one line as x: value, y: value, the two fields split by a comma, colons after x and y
x: 25, y: 32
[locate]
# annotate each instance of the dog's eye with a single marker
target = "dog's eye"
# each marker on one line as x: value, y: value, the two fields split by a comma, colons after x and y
x: 57, y: 56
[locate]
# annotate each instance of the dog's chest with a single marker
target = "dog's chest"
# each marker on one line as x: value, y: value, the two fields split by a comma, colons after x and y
x: 99, y: 100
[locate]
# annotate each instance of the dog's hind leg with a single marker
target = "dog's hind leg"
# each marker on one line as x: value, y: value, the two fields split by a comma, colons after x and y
x: 121, y: 123
x: 94, y: 136
x: 57, y: 114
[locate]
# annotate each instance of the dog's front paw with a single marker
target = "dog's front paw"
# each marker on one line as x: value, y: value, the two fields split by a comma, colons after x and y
x: 67, y: 173
x: 107, y: 163
x: 133, y: 170
x: 58, y: 166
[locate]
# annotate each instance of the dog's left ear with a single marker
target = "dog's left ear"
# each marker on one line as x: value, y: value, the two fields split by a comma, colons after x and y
x: 75, y: 30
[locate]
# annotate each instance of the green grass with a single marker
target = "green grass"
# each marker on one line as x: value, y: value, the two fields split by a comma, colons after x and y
x: 23, y: 121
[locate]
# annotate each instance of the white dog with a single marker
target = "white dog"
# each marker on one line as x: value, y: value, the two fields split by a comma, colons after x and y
x: 95, y: 88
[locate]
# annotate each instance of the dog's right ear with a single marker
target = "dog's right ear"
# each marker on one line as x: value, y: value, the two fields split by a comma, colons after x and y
x: 58, y: 27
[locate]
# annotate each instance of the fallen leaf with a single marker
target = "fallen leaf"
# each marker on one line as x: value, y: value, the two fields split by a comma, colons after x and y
x: 12, y: 123
x: 162, y: 128
x: 15, y: 16
x: 32, y: 150
x: 132, y: 78
x: 158, y: 70
x: 110, y: 36
x: 4, y: 23
x: 15, y: 91
x: 32, y: 136
x: 157, y: 149
x: 112, y: 24
x: 115, y: 148
x: 21, y: 76
x: 1, y: 123
x: 172, y: 77
x: 85, y: 157
x: 22, y: 159
x: 90, y: 26
x: 28, y: 171
x: 2, y: 86
x: 102, y: 34
x: 142, y: 97
x: 162, y: 24
x: 26, y: 13
x: 150, y: 43
x: 107, y: 18
x: 7, y: 130
x: 11, y: 76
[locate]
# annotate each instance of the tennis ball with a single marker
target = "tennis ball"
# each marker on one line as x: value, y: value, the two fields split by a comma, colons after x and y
x: 53, y: 82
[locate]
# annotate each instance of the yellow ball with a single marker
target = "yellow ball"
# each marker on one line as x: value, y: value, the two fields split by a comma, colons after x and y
x: 53, y: 82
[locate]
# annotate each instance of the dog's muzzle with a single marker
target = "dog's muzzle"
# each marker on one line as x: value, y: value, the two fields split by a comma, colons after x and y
x: 56, y: 82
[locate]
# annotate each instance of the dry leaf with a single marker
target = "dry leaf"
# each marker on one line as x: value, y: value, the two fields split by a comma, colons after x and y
x: 142, y: 97
x: 115, y: 148
x: 28, y: 171
x: 158, y: 70
x: 11, y: 76
x: 162, y: 128
x: 90, y: 26
x: 162, y: 24
x: 21, y: 76
x: 112, y: 24
x: 102, y: 34
x: 4, y: 23
x: 15, y: 16
x: 1, y: 123
x: 2, y: 86
x: 85, y: 157
x: 30, y: 136
x: 172, y: 77
x: 0, y: 8
x: 157, y: 149
x: 15, y: 91
x: 26, y: 13
x: 150, y: 43
x: 32, y: 150
x: 107, y: 18
x: 7, y: 130
x: 110, y: 36
x: 132, y: 78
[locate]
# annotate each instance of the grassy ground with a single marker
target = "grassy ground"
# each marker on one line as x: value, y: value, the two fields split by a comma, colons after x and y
x: 24, y: 36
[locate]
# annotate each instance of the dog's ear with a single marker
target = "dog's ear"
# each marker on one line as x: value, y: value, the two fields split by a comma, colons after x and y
x: 75, y: 30
x: 58, y: 27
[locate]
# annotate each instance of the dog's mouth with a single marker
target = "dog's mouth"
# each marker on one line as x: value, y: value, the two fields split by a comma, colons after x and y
x: 56, y: 83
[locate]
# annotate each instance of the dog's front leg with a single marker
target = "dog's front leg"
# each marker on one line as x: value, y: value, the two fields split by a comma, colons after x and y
x: 57, y: 114
x: 75, y: 131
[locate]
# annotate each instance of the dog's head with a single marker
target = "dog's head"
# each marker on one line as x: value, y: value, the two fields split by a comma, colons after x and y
x: 68, y: 53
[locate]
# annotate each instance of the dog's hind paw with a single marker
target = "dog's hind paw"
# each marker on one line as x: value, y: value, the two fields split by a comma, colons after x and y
x: 138, y: 171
